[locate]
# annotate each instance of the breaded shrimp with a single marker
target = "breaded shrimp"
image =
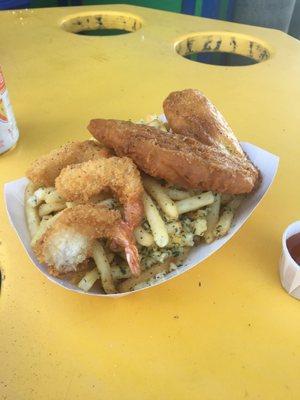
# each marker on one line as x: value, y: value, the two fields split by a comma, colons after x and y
x: 45, y: 169
x: 80, y: 182
x: 69, y: 240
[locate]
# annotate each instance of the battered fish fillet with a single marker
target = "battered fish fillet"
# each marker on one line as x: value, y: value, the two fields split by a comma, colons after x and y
x: 178, y: 159
x: 45, y: 169
x: 192, y: 114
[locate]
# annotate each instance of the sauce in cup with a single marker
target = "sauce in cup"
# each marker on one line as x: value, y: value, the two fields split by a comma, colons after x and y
x: 293, y: 245
x: 289, y: 264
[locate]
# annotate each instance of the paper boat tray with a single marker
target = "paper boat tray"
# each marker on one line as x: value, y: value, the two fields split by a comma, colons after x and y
x: 265, y: 161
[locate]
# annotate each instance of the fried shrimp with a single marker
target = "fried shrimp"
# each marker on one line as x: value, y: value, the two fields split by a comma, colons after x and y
x: 80, y: 182
x: 45, y: 169
x: 69, y: 240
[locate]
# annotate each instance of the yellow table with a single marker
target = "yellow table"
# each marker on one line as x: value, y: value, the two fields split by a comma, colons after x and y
x: 224, y: 330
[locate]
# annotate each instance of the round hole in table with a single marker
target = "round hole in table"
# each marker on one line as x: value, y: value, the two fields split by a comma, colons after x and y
x: 109, y: 23
x: 223, y: 48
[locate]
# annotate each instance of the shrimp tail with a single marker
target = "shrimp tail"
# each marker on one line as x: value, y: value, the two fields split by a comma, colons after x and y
x: 132, y: 257
x: 123, y: 237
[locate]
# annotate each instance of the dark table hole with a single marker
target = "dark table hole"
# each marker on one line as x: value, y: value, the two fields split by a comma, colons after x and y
x: 221, y: 58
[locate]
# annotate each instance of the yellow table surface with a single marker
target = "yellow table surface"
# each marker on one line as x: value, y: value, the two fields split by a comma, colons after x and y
x: 224, y: 330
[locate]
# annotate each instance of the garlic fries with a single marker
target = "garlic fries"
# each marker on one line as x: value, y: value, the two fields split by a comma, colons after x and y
x: 175, y: 219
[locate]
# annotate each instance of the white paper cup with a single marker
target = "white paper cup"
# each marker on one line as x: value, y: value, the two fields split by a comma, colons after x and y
x: 288, y: 268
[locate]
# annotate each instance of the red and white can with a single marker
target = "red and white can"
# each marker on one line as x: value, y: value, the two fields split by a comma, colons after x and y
x: 9, y: 133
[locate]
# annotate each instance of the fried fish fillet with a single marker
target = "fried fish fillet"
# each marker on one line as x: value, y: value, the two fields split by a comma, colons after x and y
x: 192, y: 114
x: 45, y: 169
x: 181, y: 160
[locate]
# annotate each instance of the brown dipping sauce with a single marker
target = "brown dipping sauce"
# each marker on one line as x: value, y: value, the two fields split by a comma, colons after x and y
x: 293, y: 245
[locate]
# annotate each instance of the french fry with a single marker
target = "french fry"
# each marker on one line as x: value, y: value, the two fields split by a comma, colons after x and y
x: 150, y: 117
x: 53, y: 197
x: 212, y: 219
x: 88, y: 280
x: 109, y: 255
x: 234, y: 204
x: 174, y: 228
x: 176, y: 194
x: 32, y: 216
x: 200, y: 226
x: 224, y: 223
x: 39, y: 233
x: 46, y: 222
x: 225, y: 198
x: 163, y: 200
x: 199, y: 214
x: 103, y: 268
x: 143, y: 237
x: 163, y: 206
x: 157, y: 225
x: 128, y: 284
x: 39, y: 195
x: 153, y: 120
x: 46, y: 209
x: 121, y: 271
x: 195, y: 202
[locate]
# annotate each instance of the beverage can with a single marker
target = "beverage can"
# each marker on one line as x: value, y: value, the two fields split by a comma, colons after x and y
x: 9, y: 133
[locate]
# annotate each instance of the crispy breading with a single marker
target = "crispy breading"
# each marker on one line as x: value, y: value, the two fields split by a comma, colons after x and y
x: 80, y: 182
x: 69, y: 240
x: 45, y: 169
x: 192, y: 114
x: 180, y: 160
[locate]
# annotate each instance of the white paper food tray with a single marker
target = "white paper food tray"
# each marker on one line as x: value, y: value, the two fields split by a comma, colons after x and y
x: 265, y: 161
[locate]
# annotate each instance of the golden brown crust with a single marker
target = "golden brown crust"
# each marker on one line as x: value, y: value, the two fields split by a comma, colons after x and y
x: 81, y: 182
x: 70, y: 239
x: 93, y: 221
x: 192, y: 114
x: 72, y: 276
x: 180, y: 160
x: 45, y: 169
